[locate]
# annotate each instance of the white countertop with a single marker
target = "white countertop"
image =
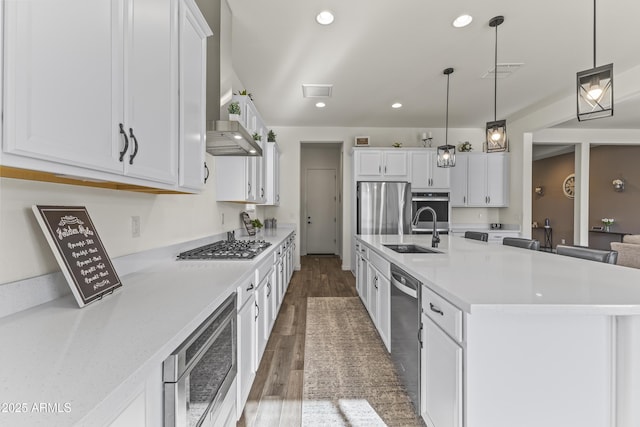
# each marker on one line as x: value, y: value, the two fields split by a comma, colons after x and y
x: 476, y: 275
x: 97, y: 357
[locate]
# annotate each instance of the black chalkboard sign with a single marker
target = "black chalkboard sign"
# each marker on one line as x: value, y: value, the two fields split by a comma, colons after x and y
x: 79, y: 251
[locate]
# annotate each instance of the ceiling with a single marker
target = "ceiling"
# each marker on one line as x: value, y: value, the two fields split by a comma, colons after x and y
x: 378, y: 52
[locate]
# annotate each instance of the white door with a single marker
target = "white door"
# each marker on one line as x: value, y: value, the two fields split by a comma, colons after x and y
x: 458, y: 193
x: 368, y: 164
x: 193, y: 65
x: 321, y: 212
x: 62, y: 76
x: 420, y: 170
x: 440, y: 177
x: 496, y: 179
x: 151, y: 92
x: 441, y: 382
x: 395, y: 165
x: 477, y: 180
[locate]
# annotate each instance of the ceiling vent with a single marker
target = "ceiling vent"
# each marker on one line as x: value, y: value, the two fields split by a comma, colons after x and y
x: 504, y: 70
x: 316, y: 90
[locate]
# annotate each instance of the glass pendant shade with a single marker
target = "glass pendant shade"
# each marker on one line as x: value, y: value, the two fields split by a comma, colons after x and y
x: 595, y: 93
x: 496, y: 136
x: 446, y: 156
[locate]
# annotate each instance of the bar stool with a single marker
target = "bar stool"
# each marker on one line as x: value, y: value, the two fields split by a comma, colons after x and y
x: 476, y: 235
x: 599, y: 255
x: 522, y: 243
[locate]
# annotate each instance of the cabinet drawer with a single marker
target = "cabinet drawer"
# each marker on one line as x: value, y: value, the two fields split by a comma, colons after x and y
x: 245, y: 290
x: 381, y: 264
x: 363, y: 250
x: 443, y: 313
x: 263, y: 269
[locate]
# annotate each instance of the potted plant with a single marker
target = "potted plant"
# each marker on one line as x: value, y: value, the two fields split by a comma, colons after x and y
x: 234, y: 111
x: 257, y: 224
x: 271, y: 136
x: 257, y: 137
x: 245, y: 93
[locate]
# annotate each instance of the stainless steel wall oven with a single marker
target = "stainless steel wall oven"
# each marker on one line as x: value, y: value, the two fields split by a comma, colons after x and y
x: 438, y: 202
x: 199, y: 373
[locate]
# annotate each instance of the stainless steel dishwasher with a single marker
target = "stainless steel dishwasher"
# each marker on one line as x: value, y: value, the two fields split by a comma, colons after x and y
x: 405, y: 329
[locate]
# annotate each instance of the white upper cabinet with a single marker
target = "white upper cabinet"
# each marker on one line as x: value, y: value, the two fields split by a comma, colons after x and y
x: 425, y: 173
x: 92, y: 90
x: 151, y: 96
x: 193, y: 75
x: 381, y: 165
x: 272, y: 173
x: 480, y: 180
x: 64, y: 81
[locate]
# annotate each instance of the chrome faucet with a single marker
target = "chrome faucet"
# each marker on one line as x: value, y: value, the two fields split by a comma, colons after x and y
x: 435, y: 239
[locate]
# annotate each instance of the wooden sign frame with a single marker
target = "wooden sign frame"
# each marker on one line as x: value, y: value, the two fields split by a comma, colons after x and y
x: 77, y: 247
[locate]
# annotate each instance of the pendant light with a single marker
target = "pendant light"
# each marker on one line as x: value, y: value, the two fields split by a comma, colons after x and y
x: 497, y: 129
x: 595, y: 87
x: 446, y: 152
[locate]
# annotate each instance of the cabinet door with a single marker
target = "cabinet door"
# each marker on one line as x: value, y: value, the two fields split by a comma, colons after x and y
x: 477, y: 180
x: 441, y: 377
x: 497, y: 180
x: 250, y: 179
x: 458, y: 194
x: 440, y: 177
x: 272, y: 174
x: 384, y: 310
x: 420, y: 170
x: 373, y: 294
x: 64, y: 81
x: 246, y: 349
x: 151, y: 91
x: 262, y: 320
x: 396, y: 165
x: 368, y: 164
x: 193, y: 65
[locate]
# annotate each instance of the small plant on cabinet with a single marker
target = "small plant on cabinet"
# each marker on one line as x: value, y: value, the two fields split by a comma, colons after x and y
x: 271, y: 136
x: 257, y: 137
x: 234, y: 108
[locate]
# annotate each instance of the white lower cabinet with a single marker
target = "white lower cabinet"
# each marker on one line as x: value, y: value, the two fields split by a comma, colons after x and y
x: 441, y: 377
x: 246, y: 350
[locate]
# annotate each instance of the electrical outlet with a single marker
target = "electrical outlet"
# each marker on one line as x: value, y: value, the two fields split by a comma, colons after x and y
x: 563, y: 241
x: 222, y: 218
x: 135, y: 226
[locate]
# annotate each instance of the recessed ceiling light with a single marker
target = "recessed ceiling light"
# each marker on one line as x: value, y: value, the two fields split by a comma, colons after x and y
x: 325, y: 17
x: 320, y: 104
x: 396, y: 105
x: 237, y: 136
x: 462, y: 21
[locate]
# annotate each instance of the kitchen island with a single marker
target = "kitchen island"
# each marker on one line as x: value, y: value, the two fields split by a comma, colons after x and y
x: 543, y: 339
x: 65, y: 366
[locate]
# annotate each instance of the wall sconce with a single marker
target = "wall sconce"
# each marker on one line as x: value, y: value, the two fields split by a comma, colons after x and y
x: 426, y: 139
x: 618, y: 185
x: 539, y: 190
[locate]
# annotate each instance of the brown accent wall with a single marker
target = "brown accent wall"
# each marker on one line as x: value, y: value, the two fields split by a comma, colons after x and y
x: 608, y: 163
x: 553, y: 204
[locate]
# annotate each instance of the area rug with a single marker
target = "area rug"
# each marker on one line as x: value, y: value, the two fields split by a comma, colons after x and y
x: 349, y: 378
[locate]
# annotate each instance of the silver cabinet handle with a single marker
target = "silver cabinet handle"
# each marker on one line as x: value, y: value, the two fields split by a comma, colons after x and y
x: 250, y: 287
x: 269, y: 287
x: 385, y: 169
x: 257, y: 311
x: 379, y: 169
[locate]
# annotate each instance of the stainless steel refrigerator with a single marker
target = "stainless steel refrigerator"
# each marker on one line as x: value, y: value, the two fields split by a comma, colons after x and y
x: 383, y: 208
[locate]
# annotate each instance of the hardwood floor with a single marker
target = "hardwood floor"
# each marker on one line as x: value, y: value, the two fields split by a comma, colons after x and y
x: 275, y: 398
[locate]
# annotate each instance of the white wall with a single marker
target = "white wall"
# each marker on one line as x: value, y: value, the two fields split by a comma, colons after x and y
x: 164, y: 220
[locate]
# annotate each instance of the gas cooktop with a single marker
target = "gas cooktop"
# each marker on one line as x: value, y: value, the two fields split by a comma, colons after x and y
x: 226, y: 249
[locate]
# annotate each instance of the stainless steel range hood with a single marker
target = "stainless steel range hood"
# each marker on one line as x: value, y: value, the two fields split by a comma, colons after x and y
x: 230, y: 138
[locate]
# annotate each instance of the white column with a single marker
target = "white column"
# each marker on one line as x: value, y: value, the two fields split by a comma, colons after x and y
x: 527, y: 168
x: 581, y: 200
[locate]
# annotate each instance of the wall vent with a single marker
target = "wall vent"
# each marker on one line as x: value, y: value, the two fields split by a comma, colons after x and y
x: 317, y: 90
x: 504, y: 70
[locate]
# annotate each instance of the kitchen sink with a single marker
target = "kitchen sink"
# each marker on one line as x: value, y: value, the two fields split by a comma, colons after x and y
x: 412, y: 249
